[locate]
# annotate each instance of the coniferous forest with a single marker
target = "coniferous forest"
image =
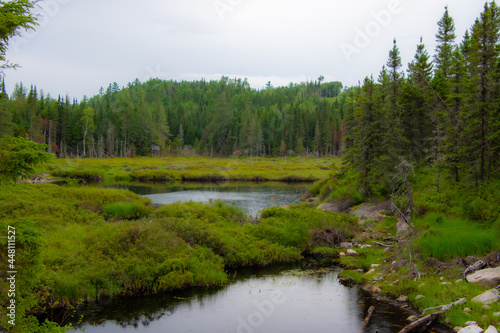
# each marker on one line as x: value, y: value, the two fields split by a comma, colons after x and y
x: 442, y: 110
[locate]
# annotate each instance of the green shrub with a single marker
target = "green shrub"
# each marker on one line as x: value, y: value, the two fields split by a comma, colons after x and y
x: 124, y: 210
x: 153, y: 176
x: 84, y: 175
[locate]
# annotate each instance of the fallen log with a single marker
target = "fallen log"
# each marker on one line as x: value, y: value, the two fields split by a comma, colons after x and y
x: 431, y: 317
x: 367, y: 319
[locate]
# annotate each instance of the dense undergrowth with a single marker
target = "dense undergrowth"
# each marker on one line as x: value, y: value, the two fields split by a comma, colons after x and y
x: 79, y: 244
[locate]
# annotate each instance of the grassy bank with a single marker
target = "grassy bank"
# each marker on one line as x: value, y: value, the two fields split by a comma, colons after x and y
x: 77, y: 244
x: 453, y: 228
x: 193, y: 169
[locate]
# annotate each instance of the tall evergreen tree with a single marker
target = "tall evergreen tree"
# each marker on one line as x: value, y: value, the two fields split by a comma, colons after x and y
x: 481, y: 129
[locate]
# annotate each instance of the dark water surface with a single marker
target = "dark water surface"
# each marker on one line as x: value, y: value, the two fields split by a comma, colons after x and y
x: 251, y: 197
x: 267, y: 301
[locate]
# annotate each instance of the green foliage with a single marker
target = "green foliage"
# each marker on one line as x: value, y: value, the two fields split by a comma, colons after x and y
x: 447, y: 238
x: 153, y: 176
x: 19, y: 157
x: 291, y: 227
x: 15, y: 16
x: 124, y: 210
x: 84, y: 175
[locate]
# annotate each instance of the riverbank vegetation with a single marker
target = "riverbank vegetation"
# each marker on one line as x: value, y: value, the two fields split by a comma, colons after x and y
x: 200, y: 169
x: 96, y: 243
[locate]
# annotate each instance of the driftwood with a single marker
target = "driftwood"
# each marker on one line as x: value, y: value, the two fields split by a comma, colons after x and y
x: 431, y: 317
x: 381, y: 244
x: 367, y: 319
x: 472, y: 268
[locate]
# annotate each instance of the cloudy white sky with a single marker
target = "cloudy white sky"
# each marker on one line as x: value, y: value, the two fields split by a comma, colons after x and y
x: 82, y: 45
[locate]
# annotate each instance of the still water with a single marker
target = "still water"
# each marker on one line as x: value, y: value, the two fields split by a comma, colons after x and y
x: 271, y: 300
x: 251, y: 197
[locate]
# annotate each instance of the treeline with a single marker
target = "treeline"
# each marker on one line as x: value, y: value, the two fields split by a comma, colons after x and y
x: 171, y: 118
x: 443, y: 111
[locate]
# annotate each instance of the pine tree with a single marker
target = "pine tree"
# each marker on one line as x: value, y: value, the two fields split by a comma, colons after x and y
x: 445, y: 44
x: 418, y: 102
x: 481, y: 129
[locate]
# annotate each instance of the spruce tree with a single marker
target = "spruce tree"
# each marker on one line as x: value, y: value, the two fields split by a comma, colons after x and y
x: 481, y: 131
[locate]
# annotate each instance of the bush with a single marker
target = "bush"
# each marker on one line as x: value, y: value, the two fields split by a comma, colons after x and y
x: 124, y: 211
x: 84, y: 175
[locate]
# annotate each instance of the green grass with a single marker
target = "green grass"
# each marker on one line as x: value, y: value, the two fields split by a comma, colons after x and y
x: 447, y: 238
x: 124, y: 210
x: 195, y: 169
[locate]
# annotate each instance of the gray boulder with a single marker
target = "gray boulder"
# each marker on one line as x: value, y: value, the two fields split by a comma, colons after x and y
x: 489, y: 277
x: 489, y: 297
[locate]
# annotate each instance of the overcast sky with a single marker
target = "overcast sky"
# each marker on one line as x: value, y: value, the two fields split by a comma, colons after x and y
x: 82, y: 45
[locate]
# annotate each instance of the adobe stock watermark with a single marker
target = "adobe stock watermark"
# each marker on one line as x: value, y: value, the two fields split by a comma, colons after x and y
x: 363, y: 37
x: 222, y: 7
x: 155, y: 73
x: 263, y: 309
x: 45, y: 11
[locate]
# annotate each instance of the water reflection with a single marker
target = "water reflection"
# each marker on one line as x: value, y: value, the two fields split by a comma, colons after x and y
x: 291, y: 301
x: 251, y: 197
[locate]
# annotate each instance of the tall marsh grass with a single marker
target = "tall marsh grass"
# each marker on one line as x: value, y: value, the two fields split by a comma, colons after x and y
x: 446, y: 238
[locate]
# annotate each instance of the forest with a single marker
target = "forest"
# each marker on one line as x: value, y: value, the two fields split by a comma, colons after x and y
x: 442, y: 111
x: 167, y: 118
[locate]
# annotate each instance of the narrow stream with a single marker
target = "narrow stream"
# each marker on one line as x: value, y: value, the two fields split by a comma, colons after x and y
x: 277, y: 299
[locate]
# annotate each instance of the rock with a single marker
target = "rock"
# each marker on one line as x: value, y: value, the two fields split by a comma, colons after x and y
x: 375, y: 266
x: 376, y: 289
x: 497, y: 314
x: 366, y: 246
x: 412, y: 319
x: 459, y: 280
x: 471, y: 329
x: 467, y: 310
x: 486, y: 307
x: 345, y: 245
x: 488, y: 297
x: 341, y: 254
x: 471, y: 323
x: 330, y: 207
x: 457, y: 328
x: 402, y: 299
x: 419, y: 297
x: 442, y: 278
x: 366, y: 287
x: 372, y: 270
x: 445, y: 283
x: 352, y: 253
x: 368, y: 211
x: 402, y: 227
x: 491, y: 329
x: 489, y: 277
x: 306, y: 195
